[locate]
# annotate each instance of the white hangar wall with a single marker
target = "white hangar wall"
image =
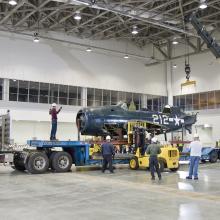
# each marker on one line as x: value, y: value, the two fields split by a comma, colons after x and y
x: 64, y: 63
x: 205, y: 69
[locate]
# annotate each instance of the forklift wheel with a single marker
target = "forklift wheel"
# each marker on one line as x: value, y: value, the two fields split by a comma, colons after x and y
x: 161, y: 165
x: 134, y: 163
x: 174, y: 169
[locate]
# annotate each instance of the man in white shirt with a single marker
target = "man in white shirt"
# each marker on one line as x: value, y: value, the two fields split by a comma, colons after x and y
x: 195, y: 154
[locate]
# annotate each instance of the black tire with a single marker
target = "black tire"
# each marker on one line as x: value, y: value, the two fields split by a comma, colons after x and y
x: 37, y: 163
x: 213, y: 157
x: 203, y: 161
x: 18, y: 163
x: 61, y: 162
x: 161, y: 165
x: 175, y: 169
x: 51, y: 159
x: 133, y: 163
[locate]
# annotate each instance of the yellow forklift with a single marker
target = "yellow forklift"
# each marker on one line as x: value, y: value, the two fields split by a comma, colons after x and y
x: 168, y: 158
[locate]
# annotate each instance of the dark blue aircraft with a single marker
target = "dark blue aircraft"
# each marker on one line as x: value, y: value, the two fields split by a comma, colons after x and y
x: 106, y: 120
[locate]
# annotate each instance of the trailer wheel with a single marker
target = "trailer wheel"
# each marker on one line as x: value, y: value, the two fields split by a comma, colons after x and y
x: 133, y: 163
x: 18, y: 165
x: 51, y: 159
x: 37, y: 163
x: 61, y: 162
x: 213, y: 157
x: 161, y: 165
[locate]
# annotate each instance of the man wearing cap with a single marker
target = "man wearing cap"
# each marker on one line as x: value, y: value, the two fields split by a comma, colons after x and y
x: 154, y: 149
x: 195, y: 154
x: 107, y: 150
x: 53, y: 112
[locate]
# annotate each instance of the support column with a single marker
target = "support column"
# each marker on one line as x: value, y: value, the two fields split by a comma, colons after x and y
x: 143, y: 101
x: 5, y: 90
x: 168, y: 66
x: 84, y: 96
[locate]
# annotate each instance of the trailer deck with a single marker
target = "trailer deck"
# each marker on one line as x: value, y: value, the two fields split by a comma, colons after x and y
x: 43, y: 155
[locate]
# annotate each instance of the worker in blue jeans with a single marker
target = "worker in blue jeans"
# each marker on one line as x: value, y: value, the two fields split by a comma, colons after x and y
x: 195, y: 154
x: 108, y: 152
x: 53, y: 112
x: 154, y: 150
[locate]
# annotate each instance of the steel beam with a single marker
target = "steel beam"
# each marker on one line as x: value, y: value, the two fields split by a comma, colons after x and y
x: 62, y: 20
x: 144, y: 20
x: 31, y: 13
x: 130, y: 19
x: 20, y: 4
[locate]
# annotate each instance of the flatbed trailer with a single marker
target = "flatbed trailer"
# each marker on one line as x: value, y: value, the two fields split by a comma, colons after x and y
x: 58, y: 156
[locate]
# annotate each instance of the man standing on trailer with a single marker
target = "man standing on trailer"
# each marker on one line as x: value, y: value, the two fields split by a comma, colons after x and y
x: 53, y: 112
x: 195, y: 154
x: 154, y: 149
x: 107, y: 150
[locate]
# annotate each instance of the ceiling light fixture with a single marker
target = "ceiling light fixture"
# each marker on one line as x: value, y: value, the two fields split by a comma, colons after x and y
x: 80, y: 2
x: 134, y: 31
x: 174, y: 66
x: 175, y: 41
x: 36, y: 37
x: 203, y: 4
x: 89, y: 49
x: 77, y: 16
x: 12, y: 2
x: 126, y: 56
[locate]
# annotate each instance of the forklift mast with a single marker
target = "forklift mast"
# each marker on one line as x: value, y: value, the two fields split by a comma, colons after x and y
x: 139, y: 136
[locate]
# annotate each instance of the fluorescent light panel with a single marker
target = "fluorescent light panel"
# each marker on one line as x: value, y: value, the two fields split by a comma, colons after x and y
x: 12, y: 2
x: 77, y: 16
x: 203, y: 4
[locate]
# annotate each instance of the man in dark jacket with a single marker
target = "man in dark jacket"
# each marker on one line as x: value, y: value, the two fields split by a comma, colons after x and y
x: 154, y: 149
x: 53, y: 112
x: 107, y: 150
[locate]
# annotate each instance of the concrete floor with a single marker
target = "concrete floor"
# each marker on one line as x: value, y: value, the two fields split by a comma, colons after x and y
x: 125, y: 195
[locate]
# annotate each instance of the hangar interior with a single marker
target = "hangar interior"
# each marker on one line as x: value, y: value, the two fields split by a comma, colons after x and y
x: 82, y: 53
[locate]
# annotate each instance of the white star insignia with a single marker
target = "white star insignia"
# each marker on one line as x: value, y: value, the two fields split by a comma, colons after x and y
x: 177, y: 120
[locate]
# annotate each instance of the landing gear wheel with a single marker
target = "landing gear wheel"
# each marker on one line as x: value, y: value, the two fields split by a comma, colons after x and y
x: 18, y: 163
x: 213, y: 157
x: 37, y: 163
x: 61, y: 162
x: 161, y: 165
x: 133, y: 164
